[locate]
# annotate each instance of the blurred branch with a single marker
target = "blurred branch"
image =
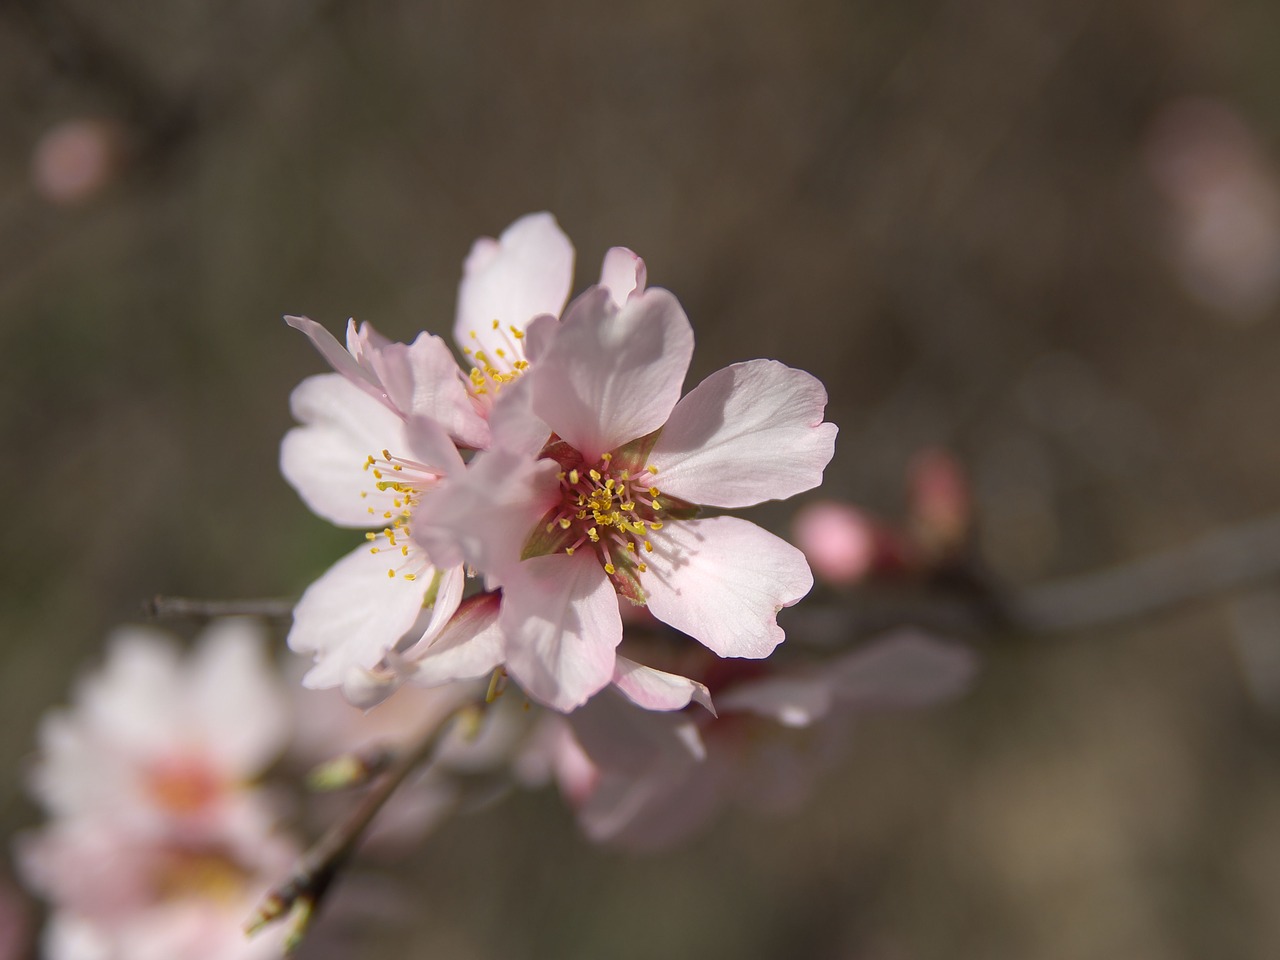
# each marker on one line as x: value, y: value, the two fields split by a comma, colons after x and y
x: 302, y: 892
x: 1224, y: 560
x: 162, y: 607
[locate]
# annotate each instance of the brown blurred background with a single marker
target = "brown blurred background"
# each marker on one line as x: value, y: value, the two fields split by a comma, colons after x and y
x: 1044, y: 235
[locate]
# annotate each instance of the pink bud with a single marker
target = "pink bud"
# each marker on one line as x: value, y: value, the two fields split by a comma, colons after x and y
x: 840, y: 541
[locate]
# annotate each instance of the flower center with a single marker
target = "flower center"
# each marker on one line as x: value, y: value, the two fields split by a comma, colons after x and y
x: 405, y: 481
x: 610, y: 507
x: 183, y: 785
x: 505, y: 364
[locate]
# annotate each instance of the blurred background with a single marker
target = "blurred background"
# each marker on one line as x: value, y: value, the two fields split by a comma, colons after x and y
x: 1045, y: 236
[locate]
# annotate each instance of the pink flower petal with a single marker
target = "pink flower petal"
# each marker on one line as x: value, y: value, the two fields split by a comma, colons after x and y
x: 483, y: 515
x: 323, y: 458
x: 526, y: 272
x: 623, y: 274
x: 722, y: 581
x: 613, y: 374
x: 560, y: 618
x: 353, y: 615
x: 470, y: 645
x: 750, y: 432
x: 657, y: 690
x: 339, y: 358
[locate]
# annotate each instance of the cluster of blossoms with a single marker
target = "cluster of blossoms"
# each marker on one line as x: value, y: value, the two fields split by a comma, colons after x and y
x: 563, y: 467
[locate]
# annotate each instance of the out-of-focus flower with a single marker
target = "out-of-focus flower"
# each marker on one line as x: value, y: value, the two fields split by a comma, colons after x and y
x: 940, y: 514
x: 1224, y: 202
x: 378, y: 435
x: 75, y: 159
x: 159, y: 845
x: 589, y: 495
x: 644, y: 780
x: 158, y: 742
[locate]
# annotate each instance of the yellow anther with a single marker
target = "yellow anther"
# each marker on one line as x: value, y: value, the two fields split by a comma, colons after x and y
x: 386, y: 454
x: 625, y: 475
x: 517, y: 333
x: 373, y: 549
x: 377, y: 474
x: 411, y: 576
x: 606, y: 457
x: 610, y: 569
x: 653, y: 491
x: 654, y: 525
x: 657, y: 505
x: 551, y: 526
x: 608, y: 484
x: 643, y: 568
x: 521, y: 365
x: 370, y: 509
x: 363, y: 494
x: 595, y: 537
x: 569, y: 551
x: 561, y: 475
x: 371, y: 536
x: 594, y: 474
x: 631, y: 546
x: 396, y: 466
x: 391, y: 574
x: 404, y: 551
x: 573, y: 477
x: 496, y: 324
x: 473, y: 334
x: 582, y: 514
x: 648, y: 547
x: 501, y: 353
x: 628, y: 506
x: 564, y: 523
x: 386, y: 515
x: 651, y: 468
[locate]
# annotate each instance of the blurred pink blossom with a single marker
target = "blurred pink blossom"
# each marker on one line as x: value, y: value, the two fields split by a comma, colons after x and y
x: 1224, y: 204
x: 158, y: 844
x: 643, y: 780
x: 75, y: 159
x: 841, y: 543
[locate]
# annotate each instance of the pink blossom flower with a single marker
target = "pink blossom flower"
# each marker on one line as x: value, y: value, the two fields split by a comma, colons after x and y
x: 377, y: 436
x: 161, y: 743
x: 590, y: 494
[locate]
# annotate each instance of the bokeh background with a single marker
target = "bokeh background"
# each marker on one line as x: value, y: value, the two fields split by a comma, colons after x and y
x: 1043, y: 235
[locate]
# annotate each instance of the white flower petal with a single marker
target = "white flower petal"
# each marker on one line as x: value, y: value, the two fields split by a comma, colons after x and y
x: 750, y: 432
x: 526, y: 272
x: 722, y: 581
x: 613, y: 374
x: 656, y: 689
x: 237, y: 697
x: 324, y: 458
x: 354, y: 614
x: 623, y: 274
x: 561, y: 623
x: 341, y: 359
